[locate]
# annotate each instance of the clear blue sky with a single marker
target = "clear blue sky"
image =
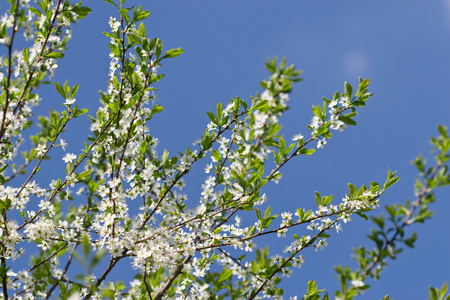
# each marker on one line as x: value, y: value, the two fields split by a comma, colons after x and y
x: 402, y: 46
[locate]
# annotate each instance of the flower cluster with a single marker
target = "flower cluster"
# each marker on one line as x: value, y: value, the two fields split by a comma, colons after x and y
x: 125, y: 197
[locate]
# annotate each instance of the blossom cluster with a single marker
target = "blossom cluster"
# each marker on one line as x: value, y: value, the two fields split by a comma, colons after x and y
x: 129, y: 201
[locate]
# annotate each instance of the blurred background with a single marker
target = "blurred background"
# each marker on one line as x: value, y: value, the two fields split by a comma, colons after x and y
x: 403, y: 47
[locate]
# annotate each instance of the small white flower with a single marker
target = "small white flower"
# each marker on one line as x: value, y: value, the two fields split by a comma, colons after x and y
x: 357, y: 283
x: 70, y: 101
x: 72, y: 179
x: 297, y: 137
x: 344, y: 101
x: 321, y: 143
x: 208, y: 168
x: 333, y: 103
x: 40, y: 149
x: 69, y: 157
x: 282, y: 232
x: 114, y: 24
x: 63, y: 144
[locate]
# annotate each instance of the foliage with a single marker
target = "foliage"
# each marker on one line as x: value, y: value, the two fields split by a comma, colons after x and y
x: 179, y: 248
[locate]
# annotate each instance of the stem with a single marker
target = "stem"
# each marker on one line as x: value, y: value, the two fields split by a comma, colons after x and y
x: 4, y: 279
x: 112, y: 263
x: 290, y: 258
x: 172, y: 278
x: 406, y: 221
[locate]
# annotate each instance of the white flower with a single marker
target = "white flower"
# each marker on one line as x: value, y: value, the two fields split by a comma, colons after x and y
x: 114, y: 24
x: 40, y: 149
x: 70, y: 101
x: 315, y: 122
x: 282, y: 232
x: 357, y: 283
x: 69, y: 157
x: 63, y: 144
x: 321, y: 244
x: 266, y: 95
x: 333, y: 103
x: 321, y: 143
x: 286, y: 272
x: 345, y: 101
x: 208, y: 168
x: 72, y: 179
x: 297, y: 137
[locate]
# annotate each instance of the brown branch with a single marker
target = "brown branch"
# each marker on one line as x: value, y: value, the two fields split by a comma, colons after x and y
x: 174, y: 276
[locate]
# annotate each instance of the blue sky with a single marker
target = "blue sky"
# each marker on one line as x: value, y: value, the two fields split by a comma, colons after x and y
x: 403, y: 47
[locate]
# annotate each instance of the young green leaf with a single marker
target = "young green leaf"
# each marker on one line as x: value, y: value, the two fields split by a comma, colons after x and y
x: 173, y: 53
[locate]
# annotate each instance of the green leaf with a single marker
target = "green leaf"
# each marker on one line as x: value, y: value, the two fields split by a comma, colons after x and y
x: 110, y: 35
x: 156, y: 109
x: 226, y: 273
x: 327, y: 200
x: 3, y: 168
x: 312, y: 288
x: 213, y: 118
x: 136, y: 79
x: 142, y: 31
x: 258, y: 213
x: 317, y: 111
x: 35, y: 11
x: 282, y: 147
x: 318, y: 199
x: 219, y: 111
x: 240, y: 180
x: 432, y: 294
x: 73, y: 91
x: 133, y: 39
x: 379, y: 221
x: 158, y: 47
x: 310, y: 151
x: 55, y: 55
x: 444, y: 289
x: 173, y: 53
x: 164, y: 156
x: 260, y: 105
x: 82, y: 11
x: 267, y: 212
x: 347, y: 120
x: 55, y: 118
x: 111, y: 2
x: 358, y: 103
x: 25, y: 55
x: 207, y: 142
x: 114, y: 49
x: 442, y: 130
x: 216, y: 155
x: 143, y: 15
x: 60, y: 90
x: 361, y: 215
x: 86, y: 245
x: 348, y: 90
x: 80, y: 112
x: 392, y: 179
x: 353, y: 191
x: 62, y: 288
